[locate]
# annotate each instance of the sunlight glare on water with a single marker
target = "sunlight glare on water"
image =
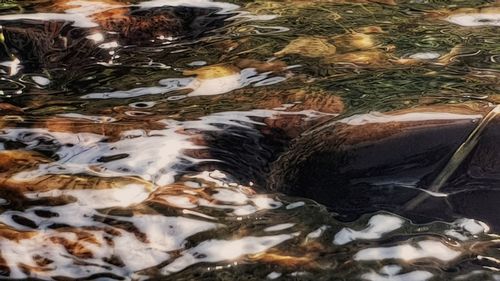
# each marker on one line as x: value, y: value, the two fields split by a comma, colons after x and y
x: 157, y: 139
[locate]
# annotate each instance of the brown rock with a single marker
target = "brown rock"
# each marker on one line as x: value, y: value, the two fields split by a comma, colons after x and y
x: 7, y: 108
x: 371, y: 162
x: 313, y: 47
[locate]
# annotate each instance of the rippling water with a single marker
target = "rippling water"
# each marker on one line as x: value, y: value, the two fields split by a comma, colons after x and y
x: 136, y: 139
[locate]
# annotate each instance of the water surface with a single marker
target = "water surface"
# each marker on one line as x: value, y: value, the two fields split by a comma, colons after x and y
x: 136, y: 137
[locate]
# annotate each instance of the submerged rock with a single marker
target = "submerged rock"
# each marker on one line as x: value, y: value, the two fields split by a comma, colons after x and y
x: 370, y: 57
x: 313, y: 47
x: 362, y: 48
x: 427, y: 163
x: 7, y: 108
x: 356, y: 41
x: 89, y: 30
x: 323, y: 47
x: 18, y: 172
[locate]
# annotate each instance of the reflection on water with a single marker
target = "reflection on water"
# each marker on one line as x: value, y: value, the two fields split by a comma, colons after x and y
x: 211, y: 80
x: 136, y: 140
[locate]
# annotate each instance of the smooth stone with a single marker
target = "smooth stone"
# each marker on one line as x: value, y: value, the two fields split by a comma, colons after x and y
x: 371, y: 162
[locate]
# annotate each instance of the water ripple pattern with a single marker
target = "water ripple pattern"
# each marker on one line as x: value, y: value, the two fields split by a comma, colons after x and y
x: 153, y: 140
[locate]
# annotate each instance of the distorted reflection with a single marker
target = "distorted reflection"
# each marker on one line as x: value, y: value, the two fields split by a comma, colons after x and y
x: 157, y: 140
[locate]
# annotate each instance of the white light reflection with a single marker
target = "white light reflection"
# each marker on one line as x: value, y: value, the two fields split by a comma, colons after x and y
x: 377, y: 226
x: 13, y: 65
x: 196, y: 86
x: 40, y: 80
x: 224, y: 250
x: 417, y: 275
x: 423, y: 249
x: 467, y: 229
x: 160, y: 151
x: 96, y: 37
x: 377, y: 117
x: 475, y: 19
x: 163, y: 234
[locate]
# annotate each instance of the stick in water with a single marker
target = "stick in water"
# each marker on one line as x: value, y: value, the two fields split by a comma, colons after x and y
x: 456, y: 159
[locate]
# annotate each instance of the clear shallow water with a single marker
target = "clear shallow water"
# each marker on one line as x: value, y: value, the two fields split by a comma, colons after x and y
x: 136, y: 137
